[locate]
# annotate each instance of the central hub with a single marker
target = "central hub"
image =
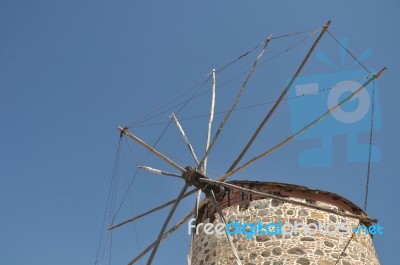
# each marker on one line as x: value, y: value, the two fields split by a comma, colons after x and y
x: 192, y: 176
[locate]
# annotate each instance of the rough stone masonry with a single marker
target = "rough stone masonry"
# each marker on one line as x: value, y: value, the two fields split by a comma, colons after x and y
x: 268, y: 249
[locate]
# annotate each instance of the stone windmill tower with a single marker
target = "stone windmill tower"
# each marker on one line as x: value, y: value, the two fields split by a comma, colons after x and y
x: 265, y: 222
x: 322, y: 244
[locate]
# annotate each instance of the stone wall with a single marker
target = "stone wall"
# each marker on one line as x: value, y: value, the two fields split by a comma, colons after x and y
x: 273, y: 249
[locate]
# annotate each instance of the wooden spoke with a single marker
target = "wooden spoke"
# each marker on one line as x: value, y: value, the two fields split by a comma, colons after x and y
x: 293, y: 136
x: 152, y: 210
x: 283, y: 94
x: 158, y: 241
x: 204, y: 169
x: 196, y: 212
x: 178, y: 125
x: 242, y: 88
x: 230, y: 242
x: 151, y: 149
x: 159, y: 172
x: 168, y: 233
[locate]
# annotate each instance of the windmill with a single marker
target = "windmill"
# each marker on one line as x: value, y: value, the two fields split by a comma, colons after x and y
x: 217, y: 191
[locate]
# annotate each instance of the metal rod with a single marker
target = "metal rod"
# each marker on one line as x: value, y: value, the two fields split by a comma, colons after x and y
x: 151, y: 149
x: 178, y: 125
x: 152, y: 210
x: 160, y: 235
x: 242, y: 88
x: 283, y: 94
x: 267, y: 195
x: 159, y: 172
x: 290, y: 138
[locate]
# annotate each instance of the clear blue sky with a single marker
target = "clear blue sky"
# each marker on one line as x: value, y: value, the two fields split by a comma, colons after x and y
x: 72, y: 71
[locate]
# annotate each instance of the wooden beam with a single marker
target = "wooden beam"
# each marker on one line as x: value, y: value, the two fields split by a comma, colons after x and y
x: 151, y: 149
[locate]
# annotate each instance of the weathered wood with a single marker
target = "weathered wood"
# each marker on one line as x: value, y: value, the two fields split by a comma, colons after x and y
x: 168, y: 233
x: 283, y: 94
x: 293, y: 136
x: 196, y: 213
x: 230, y: 242
x: 189, y: 145
x: 213, y: 92
x: 159, y: 172
x: 241, y: 90
x: 152, y: 210
x: 161, y: 234
x: 151, y: 149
